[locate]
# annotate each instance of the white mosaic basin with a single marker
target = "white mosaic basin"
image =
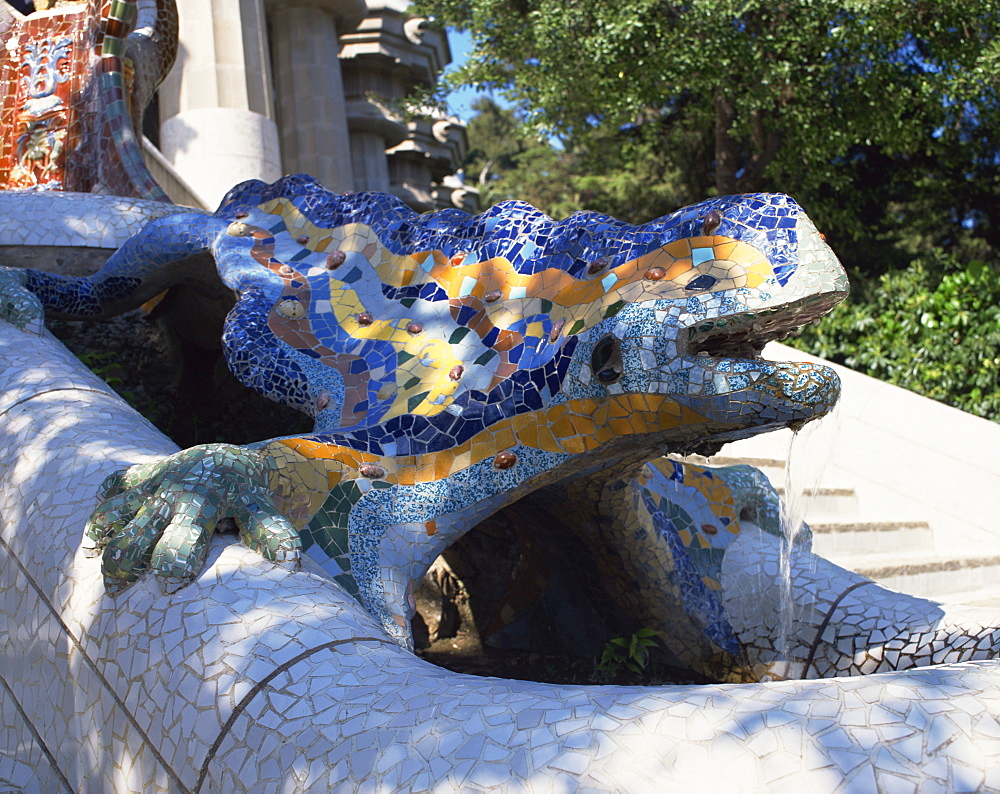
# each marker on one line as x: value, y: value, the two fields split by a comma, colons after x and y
x: 254, y: 678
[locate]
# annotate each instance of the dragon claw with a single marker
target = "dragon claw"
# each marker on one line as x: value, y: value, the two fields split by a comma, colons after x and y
x: 18, y: 305
x: 163, y: 515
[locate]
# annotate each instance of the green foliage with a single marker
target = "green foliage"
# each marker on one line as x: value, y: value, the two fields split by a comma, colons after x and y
x: 933, y: 328
x: 108, y: 367
x: 625, y: 176
x: 876, y: 114
x: 630, y: 654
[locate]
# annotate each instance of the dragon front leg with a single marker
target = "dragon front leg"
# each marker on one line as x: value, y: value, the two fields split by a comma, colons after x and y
x: 162, y: 515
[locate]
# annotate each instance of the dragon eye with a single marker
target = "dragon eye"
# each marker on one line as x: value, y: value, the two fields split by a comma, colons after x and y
x: 606, y: 359
x: 704, y: 281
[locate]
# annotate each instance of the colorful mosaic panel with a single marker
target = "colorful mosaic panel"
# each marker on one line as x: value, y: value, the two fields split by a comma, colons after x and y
x: 66, y: 102
x: 660, y: 535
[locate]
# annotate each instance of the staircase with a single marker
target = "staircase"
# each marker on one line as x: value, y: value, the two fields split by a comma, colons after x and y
x: 932, y: 529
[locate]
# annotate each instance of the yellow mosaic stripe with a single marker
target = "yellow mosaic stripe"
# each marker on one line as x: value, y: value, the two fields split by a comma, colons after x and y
x: 574, y: 427
x: 732, y: 260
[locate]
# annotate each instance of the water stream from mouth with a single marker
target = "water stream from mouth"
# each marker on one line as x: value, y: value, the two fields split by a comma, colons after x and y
x: 809, y: 451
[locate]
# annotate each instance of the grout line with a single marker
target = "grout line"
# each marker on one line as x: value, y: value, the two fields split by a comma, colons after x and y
x: 90, y: 663
x: 30, y: 397
x: 259, y: 686
x: 38, y: 737
x: 826, y: 622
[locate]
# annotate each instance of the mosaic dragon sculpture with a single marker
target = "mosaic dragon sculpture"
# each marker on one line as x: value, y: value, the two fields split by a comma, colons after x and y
x: 454, y: 364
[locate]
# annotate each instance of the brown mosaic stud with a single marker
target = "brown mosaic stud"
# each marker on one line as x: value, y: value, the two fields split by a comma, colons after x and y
x: 457, y: 259
x: 365, y: 318
x: 493, y: 297
x: 655, y: 274
x: 335, y: 259
x: 371, y: 470
x: 291, y: 308
x: 557, y: 327
x: 414, y: 327
x: 504, y: 460
x: 323, y: 400
x: 456, y: 372
x: 709, y: 529
x: 302, y: 239
x: 597, y: 265
x: 241, y: 215
x: 712, y: 222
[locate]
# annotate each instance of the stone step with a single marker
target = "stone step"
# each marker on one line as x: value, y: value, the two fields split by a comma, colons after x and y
x: 839, y: 502
x: 827, y: 497
x: 983, y: 598
x: 927, y: 575
x: 838, y: 539
x: 899, y: 554
x: 760, y: 463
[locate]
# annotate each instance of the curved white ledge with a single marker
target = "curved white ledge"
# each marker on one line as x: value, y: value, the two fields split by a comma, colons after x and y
x: 77, y: 220
x: 254, y: 678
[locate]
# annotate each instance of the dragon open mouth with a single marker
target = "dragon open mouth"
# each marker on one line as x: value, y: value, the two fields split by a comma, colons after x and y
x: 723, y: 375
x: 743, y: 336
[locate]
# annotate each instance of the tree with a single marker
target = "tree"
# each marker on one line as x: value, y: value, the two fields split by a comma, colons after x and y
x: 623, y: 175
x: 800, y: 96
x: 494, y: 142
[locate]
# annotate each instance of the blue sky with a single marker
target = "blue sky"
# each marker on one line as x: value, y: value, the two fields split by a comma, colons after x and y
x: 459, y: 102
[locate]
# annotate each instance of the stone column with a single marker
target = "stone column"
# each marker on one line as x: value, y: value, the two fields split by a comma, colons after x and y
x: 390, y: 54
x: 309, y: 90
x: 217, y: 104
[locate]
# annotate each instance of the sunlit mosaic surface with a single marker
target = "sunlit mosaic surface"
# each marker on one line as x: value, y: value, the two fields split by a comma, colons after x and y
x: 453, y: 364
x: 257, y: 678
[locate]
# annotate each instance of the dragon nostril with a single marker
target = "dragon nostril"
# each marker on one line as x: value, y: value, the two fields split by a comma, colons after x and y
x: 702, y: 282
x: 606, y: 359
x: 712, y: 222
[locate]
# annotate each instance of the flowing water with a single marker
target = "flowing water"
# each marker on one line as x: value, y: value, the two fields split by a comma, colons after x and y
x: 809, y: 451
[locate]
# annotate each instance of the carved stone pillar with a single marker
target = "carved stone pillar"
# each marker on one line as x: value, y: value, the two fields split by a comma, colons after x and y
x: 389, y: 55
x: 309, y: 90
x: 217, y: 104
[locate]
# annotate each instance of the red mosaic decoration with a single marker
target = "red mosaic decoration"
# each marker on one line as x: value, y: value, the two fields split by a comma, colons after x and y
x: 64, y: 106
